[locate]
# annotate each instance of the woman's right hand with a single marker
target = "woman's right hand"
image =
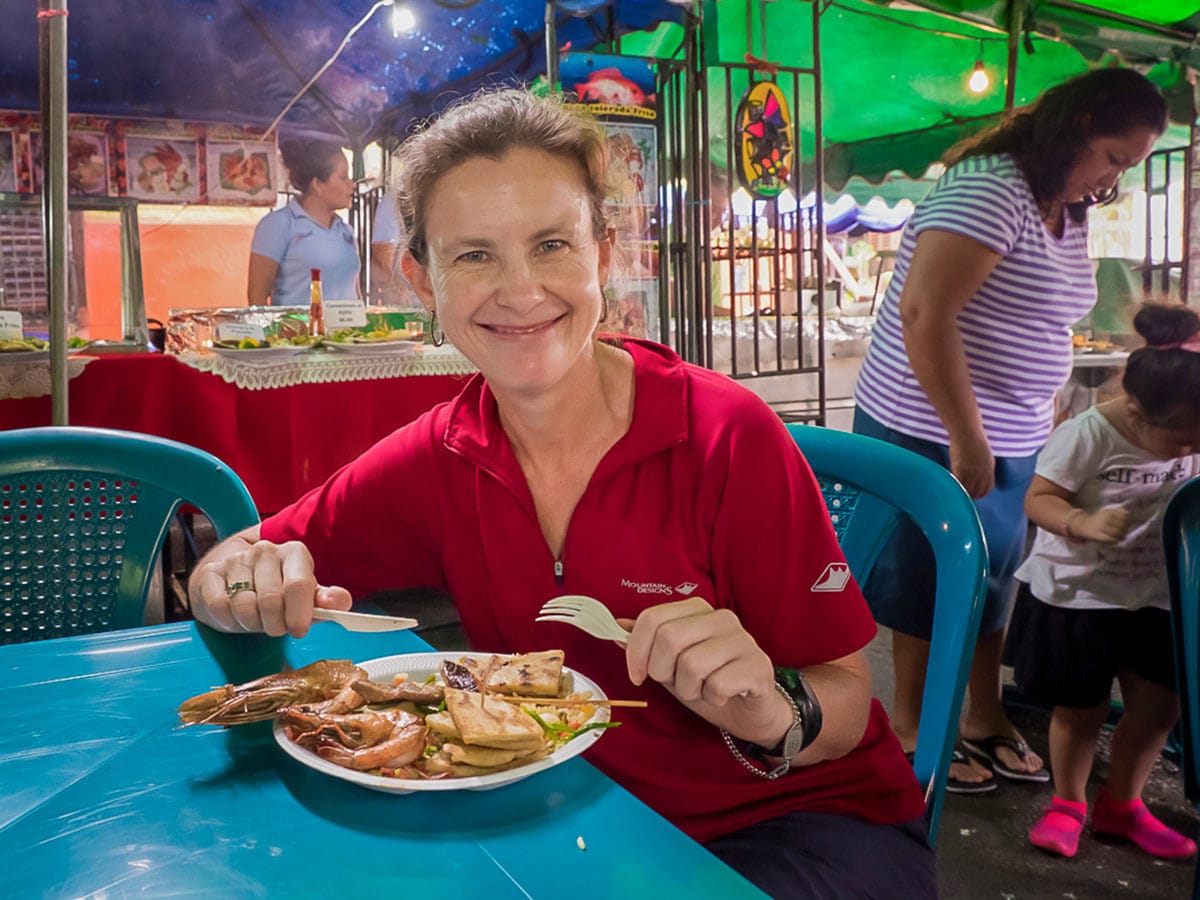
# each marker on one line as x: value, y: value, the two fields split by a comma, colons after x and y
x: 973, y: 464
x: 256, y: 585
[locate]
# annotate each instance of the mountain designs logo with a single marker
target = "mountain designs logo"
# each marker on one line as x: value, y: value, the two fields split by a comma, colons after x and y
x: 657, y: 587
x: 833, y: 580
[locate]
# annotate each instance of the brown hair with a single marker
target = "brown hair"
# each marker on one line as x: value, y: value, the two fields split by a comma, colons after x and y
x: 1047, y: 137
x: 489, y: 125
x: 1163, y: 377
x: 306, y: 159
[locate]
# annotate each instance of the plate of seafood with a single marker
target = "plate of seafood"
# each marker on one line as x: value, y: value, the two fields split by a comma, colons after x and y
x: 435, y: 721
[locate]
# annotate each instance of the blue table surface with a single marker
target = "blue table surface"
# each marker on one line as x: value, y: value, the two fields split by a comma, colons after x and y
x: 103, y: 794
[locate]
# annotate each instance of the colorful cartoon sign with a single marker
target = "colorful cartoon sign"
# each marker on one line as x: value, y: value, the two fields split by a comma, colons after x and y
x: 764, y: 126
x: 611, y: 85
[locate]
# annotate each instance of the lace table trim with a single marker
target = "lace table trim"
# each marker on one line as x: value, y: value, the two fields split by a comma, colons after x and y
x: 325, y: 366
x: 32, y: 379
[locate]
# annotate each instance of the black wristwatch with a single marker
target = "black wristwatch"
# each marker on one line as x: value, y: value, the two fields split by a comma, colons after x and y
x: 806, y: 724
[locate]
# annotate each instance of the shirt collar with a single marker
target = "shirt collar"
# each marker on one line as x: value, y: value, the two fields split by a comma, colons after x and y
x: 660, y: 412
x: 299, y: 212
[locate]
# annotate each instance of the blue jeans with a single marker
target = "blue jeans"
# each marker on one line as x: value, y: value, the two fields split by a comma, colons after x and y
x: 901, y: 588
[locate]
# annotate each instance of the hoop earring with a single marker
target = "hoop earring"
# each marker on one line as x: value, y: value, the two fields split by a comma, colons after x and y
x: 437, y: 338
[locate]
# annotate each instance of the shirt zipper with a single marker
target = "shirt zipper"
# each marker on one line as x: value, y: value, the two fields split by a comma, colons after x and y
x: 558, y: 572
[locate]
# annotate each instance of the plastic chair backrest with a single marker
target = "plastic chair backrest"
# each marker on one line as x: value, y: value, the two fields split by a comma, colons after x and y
x: 868, y: 485
x: 1181, y: 544
x: 83, y: 516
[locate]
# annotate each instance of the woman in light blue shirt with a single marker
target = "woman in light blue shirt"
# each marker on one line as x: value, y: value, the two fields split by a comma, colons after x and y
x: 308, y: 233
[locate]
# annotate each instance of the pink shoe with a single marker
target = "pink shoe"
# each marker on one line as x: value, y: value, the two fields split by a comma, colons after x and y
x: 1133, y: 822
x: 1059, y: 828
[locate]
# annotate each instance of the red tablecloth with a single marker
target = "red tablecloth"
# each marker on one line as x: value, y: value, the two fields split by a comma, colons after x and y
x: 281, y: 441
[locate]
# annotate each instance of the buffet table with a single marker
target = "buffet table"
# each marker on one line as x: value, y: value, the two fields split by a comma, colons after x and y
x: 283, y: 426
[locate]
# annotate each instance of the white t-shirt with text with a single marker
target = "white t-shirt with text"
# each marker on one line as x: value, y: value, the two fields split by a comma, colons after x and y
x: 1088, y: 456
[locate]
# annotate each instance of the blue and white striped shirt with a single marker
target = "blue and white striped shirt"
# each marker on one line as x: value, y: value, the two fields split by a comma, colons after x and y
x: 1016, y: 329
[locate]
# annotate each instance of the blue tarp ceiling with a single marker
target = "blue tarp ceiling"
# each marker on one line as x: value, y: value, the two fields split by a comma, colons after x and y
x: 241, y: 61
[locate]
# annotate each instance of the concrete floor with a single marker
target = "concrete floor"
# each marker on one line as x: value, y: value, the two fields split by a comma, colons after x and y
x: 983, y: 845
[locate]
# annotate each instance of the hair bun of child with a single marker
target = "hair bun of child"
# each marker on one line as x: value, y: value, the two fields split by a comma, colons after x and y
x: 1166, y: 323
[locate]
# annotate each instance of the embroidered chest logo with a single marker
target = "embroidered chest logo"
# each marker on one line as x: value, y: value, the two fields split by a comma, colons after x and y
x: 835, y: 578
x: 657, y: 587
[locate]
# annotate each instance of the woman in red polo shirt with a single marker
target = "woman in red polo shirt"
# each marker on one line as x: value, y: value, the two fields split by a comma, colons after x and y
x: 573, y: 464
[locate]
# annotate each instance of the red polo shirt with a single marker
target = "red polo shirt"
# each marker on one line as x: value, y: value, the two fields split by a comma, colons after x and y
x: 706, y: 495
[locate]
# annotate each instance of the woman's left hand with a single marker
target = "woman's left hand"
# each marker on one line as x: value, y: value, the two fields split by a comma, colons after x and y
x: 712, y: 665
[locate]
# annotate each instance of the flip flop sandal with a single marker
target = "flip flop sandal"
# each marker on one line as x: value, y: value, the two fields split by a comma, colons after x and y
x: 984, y: 749
x: 958, y: 786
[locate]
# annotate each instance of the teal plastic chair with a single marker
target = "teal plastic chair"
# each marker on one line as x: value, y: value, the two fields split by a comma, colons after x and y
x: 83, y: 516
x: 868, y: 486
x: 1181, y: 544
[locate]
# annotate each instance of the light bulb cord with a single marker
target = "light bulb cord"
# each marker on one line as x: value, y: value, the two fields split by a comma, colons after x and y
x: 329, y: 62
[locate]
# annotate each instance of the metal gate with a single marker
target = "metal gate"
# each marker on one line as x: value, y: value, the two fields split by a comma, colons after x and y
x: 1164, y: 270
x: 743, y: 288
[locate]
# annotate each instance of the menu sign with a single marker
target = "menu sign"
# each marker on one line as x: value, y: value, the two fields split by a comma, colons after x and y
x: 237, y: 331
x: 10, y: 324
x: 345, y: 314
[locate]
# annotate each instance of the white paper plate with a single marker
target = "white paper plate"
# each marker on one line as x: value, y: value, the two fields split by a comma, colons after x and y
x: 418, y: 666
x: 258, y: 353
x: 371, y: 346
x: 16, y: 356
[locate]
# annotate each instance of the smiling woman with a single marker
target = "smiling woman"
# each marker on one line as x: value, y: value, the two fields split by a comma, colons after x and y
x: 590, y: 465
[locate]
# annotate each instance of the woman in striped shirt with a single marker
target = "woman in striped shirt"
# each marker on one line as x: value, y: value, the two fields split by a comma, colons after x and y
x: 972, y: 342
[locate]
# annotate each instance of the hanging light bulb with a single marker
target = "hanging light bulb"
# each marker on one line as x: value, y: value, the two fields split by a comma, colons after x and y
x: 979, y: 80
x: 403, y: 19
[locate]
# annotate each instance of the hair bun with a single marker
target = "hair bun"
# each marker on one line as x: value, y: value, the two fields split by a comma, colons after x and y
x: 1166, y: 323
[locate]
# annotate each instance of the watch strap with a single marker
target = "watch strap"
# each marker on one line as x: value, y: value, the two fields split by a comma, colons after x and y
x: 793, y: 683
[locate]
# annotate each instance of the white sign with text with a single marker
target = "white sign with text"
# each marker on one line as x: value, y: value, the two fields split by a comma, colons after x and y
x: 344, y: 314
x: 238, y: 331
x: 11, y: 325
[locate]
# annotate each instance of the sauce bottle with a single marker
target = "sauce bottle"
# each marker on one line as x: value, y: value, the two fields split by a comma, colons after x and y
x: 316, y: 311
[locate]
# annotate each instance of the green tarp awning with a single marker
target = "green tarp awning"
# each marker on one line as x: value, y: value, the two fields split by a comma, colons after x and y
x: 895, y: 93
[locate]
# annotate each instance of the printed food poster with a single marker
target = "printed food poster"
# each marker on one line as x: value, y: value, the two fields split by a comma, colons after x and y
x: 636, y: 146
x: 165, y: 169
x: 241, y: 172
x: 8, y: 163
x: 633, y: 310
x: 87, y: 163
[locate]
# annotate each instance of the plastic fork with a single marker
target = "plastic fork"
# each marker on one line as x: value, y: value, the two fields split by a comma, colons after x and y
x: 586, y: 613
x: 353, y: 621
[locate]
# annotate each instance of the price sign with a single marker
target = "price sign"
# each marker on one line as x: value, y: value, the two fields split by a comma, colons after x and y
x: 11, y: 325
x: 344, y: 314
x: 237, y: 331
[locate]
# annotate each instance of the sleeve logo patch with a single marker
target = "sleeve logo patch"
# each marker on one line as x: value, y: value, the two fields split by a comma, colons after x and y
x: 834, y: 579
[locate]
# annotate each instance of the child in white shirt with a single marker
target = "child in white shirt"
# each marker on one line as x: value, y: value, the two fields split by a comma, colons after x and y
x: 1097, y: 568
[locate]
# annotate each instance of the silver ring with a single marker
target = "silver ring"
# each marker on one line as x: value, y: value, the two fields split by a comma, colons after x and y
x: 231, y: 589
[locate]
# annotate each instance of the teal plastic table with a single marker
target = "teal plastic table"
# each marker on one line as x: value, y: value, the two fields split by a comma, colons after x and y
x: 102, y: 794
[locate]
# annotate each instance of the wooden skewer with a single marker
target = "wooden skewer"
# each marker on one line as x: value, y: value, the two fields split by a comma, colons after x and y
x: 566, y: 701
